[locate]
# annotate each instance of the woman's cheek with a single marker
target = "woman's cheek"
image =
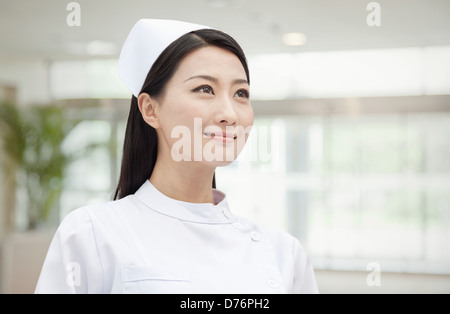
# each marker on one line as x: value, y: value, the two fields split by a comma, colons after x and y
x: 248, y: 117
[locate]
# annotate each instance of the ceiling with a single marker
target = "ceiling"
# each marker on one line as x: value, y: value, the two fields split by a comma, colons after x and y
x: 38, y: 29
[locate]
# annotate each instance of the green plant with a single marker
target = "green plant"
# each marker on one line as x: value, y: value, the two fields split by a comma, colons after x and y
x: 31, y: 140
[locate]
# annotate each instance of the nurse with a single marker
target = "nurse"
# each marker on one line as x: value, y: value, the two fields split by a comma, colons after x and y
x: 168, y: 229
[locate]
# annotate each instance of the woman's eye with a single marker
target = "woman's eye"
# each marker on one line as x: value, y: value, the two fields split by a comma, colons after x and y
x: 242, y: 93
x: 204, y: 89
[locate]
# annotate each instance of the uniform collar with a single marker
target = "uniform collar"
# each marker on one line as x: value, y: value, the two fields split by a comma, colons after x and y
x: 194, y: 212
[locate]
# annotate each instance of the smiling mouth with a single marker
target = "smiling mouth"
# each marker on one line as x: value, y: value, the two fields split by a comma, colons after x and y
x: 221, y: 137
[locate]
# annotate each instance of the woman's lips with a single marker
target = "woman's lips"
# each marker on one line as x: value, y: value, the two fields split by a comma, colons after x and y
x: 222, y: 137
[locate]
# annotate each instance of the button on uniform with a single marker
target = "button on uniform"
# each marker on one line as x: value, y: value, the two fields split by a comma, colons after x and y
x: 255, y: 236
x: 226, y: 213
x: 237, y: 225
x: 272, y: 283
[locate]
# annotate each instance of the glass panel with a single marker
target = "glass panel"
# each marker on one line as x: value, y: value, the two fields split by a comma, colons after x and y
x: 89, y: 174
x: 371, y: 188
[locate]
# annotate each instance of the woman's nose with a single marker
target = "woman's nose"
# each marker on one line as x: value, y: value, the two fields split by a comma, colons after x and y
x: 226, y: 113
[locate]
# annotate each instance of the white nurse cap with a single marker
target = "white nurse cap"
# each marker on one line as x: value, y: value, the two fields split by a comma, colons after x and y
x: 146, y: 41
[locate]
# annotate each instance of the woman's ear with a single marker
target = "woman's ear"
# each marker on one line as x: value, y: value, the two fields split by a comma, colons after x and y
x: 148, y: 107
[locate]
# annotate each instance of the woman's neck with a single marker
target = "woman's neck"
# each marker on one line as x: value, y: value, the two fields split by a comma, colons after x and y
x: 183, y: 181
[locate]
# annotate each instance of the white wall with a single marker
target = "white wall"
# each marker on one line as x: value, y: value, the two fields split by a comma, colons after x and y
x: 22, y: 257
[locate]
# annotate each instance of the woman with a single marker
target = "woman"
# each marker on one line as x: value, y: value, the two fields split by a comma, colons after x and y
x: 169, y: 230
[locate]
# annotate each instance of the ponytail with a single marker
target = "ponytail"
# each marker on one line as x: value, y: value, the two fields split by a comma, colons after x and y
x: 139, y: 153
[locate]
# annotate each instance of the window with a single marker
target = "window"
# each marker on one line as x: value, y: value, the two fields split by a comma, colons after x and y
x: 355, y: 190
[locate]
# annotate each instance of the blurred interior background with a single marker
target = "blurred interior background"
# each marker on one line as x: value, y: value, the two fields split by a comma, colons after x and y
x: 350, y: 151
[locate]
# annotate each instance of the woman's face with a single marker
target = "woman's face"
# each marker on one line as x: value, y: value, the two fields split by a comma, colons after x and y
x: 205, y: 114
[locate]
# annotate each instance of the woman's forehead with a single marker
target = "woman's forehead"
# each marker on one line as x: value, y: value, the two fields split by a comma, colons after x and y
x: 211, y: 61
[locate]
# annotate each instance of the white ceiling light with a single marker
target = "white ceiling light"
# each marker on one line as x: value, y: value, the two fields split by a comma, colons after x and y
x: 100, y: 48
x: 294, y: 39
x: 92, y: 48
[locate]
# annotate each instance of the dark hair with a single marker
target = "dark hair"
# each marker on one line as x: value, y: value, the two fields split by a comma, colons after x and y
x: 141, y: 142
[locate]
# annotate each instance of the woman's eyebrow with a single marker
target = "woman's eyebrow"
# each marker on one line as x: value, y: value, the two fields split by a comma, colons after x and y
x: 215, y: 80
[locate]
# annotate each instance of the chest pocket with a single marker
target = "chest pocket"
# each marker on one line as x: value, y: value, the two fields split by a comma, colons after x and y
x: 155, y: 279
